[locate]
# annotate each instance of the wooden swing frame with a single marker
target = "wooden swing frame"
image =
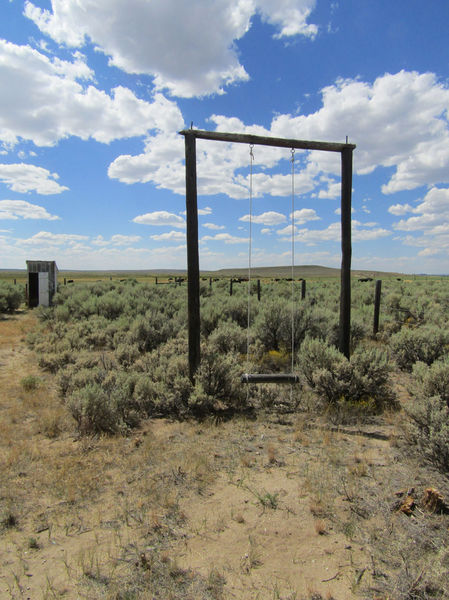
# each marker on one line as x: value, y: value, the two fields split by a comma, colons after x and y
x: 193, y: 268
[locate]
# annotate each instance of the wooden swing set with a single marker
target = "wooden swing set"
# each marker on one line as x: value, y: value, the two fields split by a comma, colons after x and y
x: 193, y: 269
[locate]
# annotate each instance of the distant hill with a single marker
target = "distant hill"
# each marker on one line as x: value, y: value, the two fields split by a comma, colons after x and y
x: 304, y: 271
x: 281, y: 272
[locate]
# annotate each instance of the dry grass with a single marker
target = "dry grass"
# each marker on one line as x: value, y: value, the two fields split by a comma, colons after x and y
x: 240, y: 509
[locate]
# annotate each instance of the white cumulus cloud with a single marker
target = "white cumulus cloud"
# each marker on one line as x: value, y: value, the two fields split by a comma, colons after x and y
x: 399, y: 120
x: 305, y: 214
x: 19, y: 209
x: 171, y: 236
x: 43, y: 100
x: 432, y: 213
x: 333, y: 190
x: 205, y: 211
x: 400, y: 209
x: 188, y: 47
x: 267, y: 218
x: 160, y: 218
x: 332, y: 233
x: 227, y: 238
x: 25, y: 178
x: 46, y: 238
x: 213, y: 226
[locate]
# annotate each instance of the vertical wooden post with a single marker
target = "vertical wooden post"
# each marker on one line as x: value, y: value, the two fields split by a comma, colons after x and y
x: 210, y: 282
x: 193, y: 263
x: 258, y: 289
x: 156, y: 280
x: 377, y: 306
x: 346, y: 249
x: 303, y: 289
x: 230, y: 286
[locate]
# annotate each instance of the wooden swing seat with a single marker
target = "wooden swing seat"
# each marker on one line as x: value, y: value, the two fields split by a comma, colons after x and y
x: 269, y: 378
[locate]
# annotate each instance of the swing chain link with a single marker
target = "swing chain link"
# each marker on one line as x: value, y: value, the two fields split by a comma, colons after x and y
x: 251, y: 155
x: 293, y: 269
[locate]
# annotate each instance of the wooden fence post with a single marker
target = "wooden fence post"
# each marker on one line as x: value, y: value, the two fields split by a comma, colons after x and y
x: 258, y: 289
x: 346, y: 252
x: 377, y: 306
x: 193, y: 262
x: 303, y: 289
x: 230, y: 287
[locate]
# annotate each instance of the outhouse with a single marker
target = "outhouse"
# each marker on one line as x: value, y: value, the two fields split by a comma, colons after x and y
x: 42, y: 282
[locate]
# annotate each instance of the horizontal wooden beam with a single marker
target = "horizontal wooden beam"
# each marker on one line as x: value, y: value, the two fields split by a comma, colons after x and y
x: 243, y: 138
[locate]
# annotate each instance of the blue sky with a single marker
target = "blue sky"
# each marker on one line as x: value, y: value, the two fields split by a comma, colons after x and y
x: 94, y: 92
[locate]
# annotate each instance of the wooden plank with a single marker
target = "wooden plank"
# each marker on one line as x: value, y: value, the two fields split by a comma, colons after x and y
x: 243, y: 138
x: 269, y: 378
x: 346, y: 252
x: 193, y: 263
x: 377, y: 296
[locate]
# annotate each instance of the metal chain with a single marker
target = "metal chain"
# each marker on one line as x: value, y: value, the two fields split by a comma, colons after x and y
x: 251, y: 155
x: 292, y: 160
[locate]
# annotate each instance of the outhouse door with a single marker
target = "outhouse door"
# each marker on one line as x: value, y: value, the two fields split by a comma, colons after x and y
x: 44, y: 292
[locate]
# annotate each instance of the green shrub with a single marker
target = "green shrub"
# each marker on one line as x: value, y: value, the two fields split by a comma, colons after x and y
x: 302, y: 322
x: 94, y: 410
x: 150, y: 330
x: 363, y: 379
x: 323, y: 323
x: 106, y: 405
x: 149, y: 396
x: 370, y: 377
x: 11, y: 296
x: 211, y: 315
x: 62, y: 313
x: 236, y: 309
x: 30, y: 383
x: 271, y: 323
x: 429, y: 411
x: 314, y: 355
x: 424, y: 344
x: 430, y: 428
x: 229, y: 337
x: 53, y: 361
x: 110, y: 305
x: 87, y: 368
x: 127, y: 354
x: 217, y: 384
x: 432, y: 380
x: 167, y: 367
